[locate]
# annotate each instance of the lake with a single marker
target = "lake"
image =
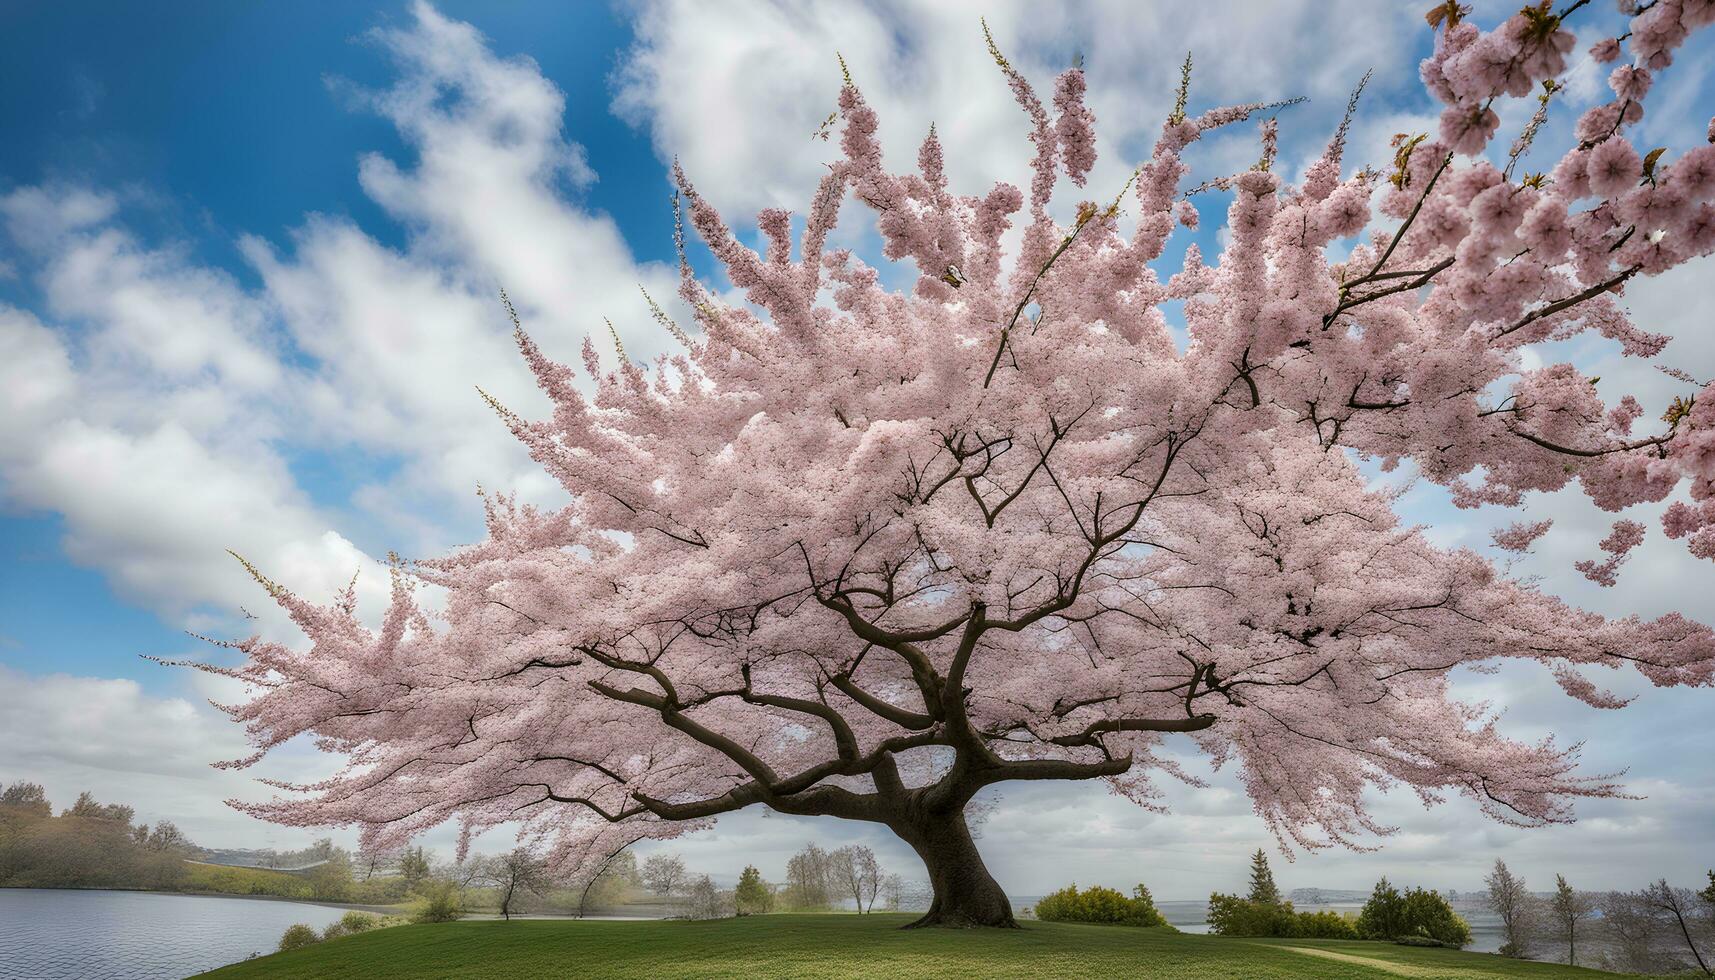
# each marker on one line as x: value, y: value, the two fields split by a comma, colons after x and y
x: 137, y: 935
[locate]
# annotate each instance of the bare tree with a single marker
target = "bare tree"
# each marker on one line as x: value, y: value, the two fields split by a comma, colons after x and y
x: 517, y: 871
x: 1631, y: 928
x: 855, y: 872
x: 664, y: 873
x: 705, y: 898
x: 808, y: 877
x: 1676, y: 906
x: 621, y: 865
x: 892, y: 892
x: 1567, y: 909
x: 1509, y: 900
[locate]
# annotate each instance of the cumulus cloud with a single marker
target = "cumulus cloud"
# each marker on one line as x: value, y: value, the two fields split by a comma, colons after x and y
x: 735, y: 91
x: 111, y: 738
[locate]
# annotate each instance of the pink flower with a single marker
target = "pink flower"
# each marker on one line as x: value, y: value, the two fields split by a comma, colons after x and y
x: 1605, y: 50
x: 1467, y: 130
x: 1629, y: 82
x: 1614, y: 167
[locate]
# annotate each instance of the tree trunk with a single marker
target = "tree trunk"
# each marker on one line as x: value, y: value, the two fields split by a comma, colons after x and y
x: 966, y: 895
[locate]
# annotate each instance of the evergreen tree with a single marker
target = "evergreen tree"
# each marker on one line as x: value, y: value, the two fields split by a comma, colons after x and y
x: 752, y: 895
x: 1263, y: 888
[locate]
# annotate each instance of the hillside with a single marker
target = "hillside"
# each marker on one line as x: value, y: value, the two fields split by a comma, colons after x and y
x: 830, y: 946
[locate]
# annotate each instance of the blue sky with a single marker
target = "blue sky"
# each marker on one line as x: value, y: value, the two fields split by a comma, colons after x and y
x: 248, y: 255
x: 232, y: 119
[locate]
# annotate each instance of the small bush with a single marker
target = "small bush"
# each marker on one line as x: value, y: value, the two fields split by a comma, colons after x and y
x: 1098, y: 904
x: 440, y: 903
x: 1326, y: 924
x: 1230, y: 915
x: 297, y: 937
x: 1420, y: 941
x: 354, y: 922
x: 334, y: 930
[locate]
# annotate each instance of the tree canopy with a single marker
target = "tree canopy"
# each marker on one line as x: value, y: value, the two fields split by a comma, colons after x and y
x: 862, y: 551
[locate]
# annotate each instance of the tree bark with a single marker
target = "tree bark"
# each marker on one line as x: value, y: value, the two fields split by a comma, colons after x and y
x: 966, y: 895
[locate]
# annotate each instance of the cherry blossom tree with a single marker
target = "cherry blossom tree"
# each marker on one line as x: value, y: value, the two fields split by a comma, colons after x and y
x: 862, y: 551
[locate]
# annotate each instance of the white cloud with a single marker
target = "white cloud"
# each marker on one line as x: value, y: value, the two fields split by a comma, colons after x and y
x: 109, y: 737
x: 735, y: 90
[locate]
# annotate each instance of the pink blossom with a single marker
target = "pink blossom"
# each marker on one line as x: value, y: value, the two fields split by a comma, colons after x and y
x: 1614, y: 167
x: 871, y: 548
x: 1467, y: 130
x: 1605, y: 50
x: 1520, y: 536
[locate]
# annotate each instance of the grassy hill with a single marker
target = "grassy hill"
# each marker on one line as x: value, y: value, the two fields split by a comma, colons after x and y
x: 849, y: 945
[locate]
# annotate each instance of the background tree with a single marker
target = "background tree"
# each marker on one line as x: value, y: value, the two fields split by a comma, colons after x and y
x: 705, y: 898
x: 331, y: 880
x: 1630, y: 931
x: 809, y: 878
x: 1262, y: 880
x: 855, y: 872
x: 1675, y: 907
x: 1515, y: 906
x: 1383, y: 915
x: 864, y: 553
x: 752, y: 895
x: 414, y: 866
x: 1567, y: 910
x: 664, y: 873
x: 611, y: 881
x: 514, y: 874
x: 892, y: 891
x: 24, y: 800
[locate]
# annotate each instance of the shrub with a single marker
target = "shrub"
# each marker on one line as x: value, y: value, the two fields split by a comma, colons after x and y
x: 297, y: 937
x: 1098, y: 904
x: 1420, y: 941
x: 355, y: 922
x: 1390, y: 915
x: 1230, y: 915
x: 440, y: 903
x: 334, y: 930
x: 1428, y: 915
x: 1325, y: 924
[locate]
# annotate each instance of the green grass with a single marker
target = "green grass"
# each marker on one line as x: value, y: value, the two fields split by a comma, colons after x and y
x: 231, y: 880
x: 867, y: 946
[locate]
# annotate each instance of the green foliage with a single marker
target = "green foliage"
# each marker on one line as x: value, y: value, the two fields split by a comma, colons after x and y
x: 331, y: 880
x: 227, y: 880
x: 89, y: 845
x: 1326, y: 924
x: 1098, y: 904
x: 413, y: 866
x: 1263, y: 889
x: 1383, y: 916
x: 821, y: 947
x: 1230, y: 915
x: 752, y: 895
x: 440, y: 903
x: 355, y: 922
x: 297, y: 937
x: 1418, y: 912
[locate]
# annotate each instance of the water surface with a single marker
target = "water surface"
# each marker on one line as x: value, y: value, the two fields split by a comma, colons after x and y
x: 118, y: 935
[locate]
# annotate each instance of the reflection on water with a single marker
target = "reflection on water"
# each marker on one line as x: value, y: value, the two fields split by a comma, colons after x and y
x: 113, y: 934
